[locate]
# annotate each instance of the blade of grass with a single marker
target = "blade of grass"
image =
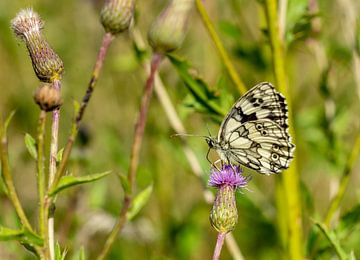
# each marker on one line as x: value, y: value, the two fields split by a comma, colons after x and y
x: 220, y: 47
x: 290, y: 193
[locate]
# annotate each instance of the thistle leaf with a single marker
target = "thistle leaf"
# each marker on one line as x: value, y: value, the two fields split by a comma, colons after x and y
x: 139, y: 202
x: 69, y: 181
x: 30, y: 144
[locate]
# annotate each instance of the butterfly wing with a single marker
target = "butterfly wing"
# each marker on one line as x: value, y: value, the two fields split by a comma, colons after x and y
x: 261, y: 145
x: 255, y: 132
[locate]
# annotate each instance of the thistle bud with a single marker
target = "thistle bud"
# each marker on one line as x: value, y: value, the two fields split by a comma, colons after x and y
x: 48, y: 98
x: 47, y: 65
x: 169, y: 29
x: 116, y: 15
x: 224, y: 215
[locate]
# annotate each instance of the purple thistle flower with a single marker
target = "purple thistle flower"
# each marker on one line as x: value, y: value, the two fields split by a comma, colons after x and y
x: 224, y: 215
x: 229, y: 175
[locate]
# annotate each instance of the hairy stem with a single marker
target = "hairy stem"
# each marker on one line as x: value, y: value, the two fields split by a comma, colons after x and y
x: 135, y: 154
x: 52, y: 168
x: 220, y: 48
x: 289, y: 193
x: 41, y: 182
x: 219, y: 244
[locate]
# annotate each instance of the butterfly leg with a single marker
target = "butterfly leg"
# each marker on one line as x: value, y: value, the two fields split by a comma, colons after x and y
x: 216, y: 163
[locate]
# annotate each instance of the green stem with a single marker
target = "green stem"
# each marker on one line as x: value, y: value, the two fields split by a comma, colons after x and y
x: 290, y: 178
x: 335, y: 202
x: 9, y: 182
x: 220, y: 47
x: 40, y: 171
x: 134, y: 157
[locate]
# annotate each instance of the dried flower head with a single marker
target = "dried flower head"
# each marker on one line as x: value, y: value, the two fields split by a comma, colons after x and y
x: 116, y: 15
x: 47, y: 65
x: 224, y: 215
x: 169, y: 29
x: 48, y: 98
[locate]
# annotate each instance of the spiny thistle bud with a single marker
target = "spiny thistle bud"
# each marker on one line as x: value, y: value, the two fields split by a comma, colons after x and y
x: 48, y: 98
x: 168, y: 30
x: 47, y: 65
x: 224, y: 215
x: 116, y: 15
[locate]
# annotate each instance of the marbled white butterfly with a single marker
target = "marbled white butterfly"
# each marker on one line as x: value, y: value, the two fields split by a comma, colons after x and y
x: 255, y: 132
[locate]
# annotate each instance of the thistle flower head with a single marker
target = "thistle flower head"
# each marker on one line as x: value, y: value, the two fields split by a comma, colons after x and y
x: 26, y: 23
x: 48, y: 98
x: 116, y: 15
x: 169, y: 29
x: 47, y: 65
x: 229, y: 175
x: 224, y: 215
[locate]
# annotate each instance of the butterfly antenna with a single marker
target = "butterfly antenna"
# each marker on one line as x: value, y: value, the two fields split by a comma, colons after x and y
x: 189, y: 135
x: 208, y: 129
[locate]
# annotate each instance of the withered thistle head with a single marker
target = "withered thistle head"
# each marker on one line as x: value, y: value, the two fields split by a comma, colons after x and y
x: 169, y: 29
x: 48, y: 98
x: 47, y: 65
x: 116, y: 15
x: 224, y: 215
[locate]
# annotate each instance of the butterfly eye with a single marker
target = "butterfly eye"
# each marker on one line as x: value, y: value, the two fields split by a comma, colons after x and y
x: 274, y: 156
x: 259, y: 126
x: 210, y: 142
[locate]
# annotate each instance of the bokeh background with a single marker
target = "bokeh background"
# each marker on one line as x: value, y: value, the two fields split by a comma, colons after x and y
x: 323, y: 68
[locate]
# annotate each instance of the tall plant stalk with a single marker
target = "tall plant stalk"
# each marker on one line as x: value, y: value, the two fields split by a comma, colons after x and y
x: 288, y: 190
x: 41, y: 180
x: 52, y: 169
x: 134, y: 157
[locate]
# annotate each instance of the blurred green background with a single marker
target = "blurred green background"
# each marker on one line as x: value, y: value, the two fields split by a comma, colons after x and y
x: 323, y: 66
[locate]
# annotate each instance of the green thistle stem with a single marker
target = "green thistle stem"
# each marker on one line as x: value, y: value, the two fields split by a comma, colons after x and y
x: 220, y: 48
x: 40, y: 171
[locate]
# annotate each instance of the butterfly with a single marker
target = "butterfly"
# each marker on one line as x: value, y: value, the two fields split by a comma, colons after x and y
x: 255, y: 132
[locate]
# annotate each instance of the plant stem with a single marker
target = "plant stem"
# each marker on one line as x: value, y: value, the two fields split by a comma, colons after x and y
x: 52, y: 168
x: 9, y: 184
x: 219, y: 244
x: 345, y: 178
x: 107, y: 40
x: 290, y: 178
x: 220, y: 48
x: 40, y: 171
x: 135, y: 154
